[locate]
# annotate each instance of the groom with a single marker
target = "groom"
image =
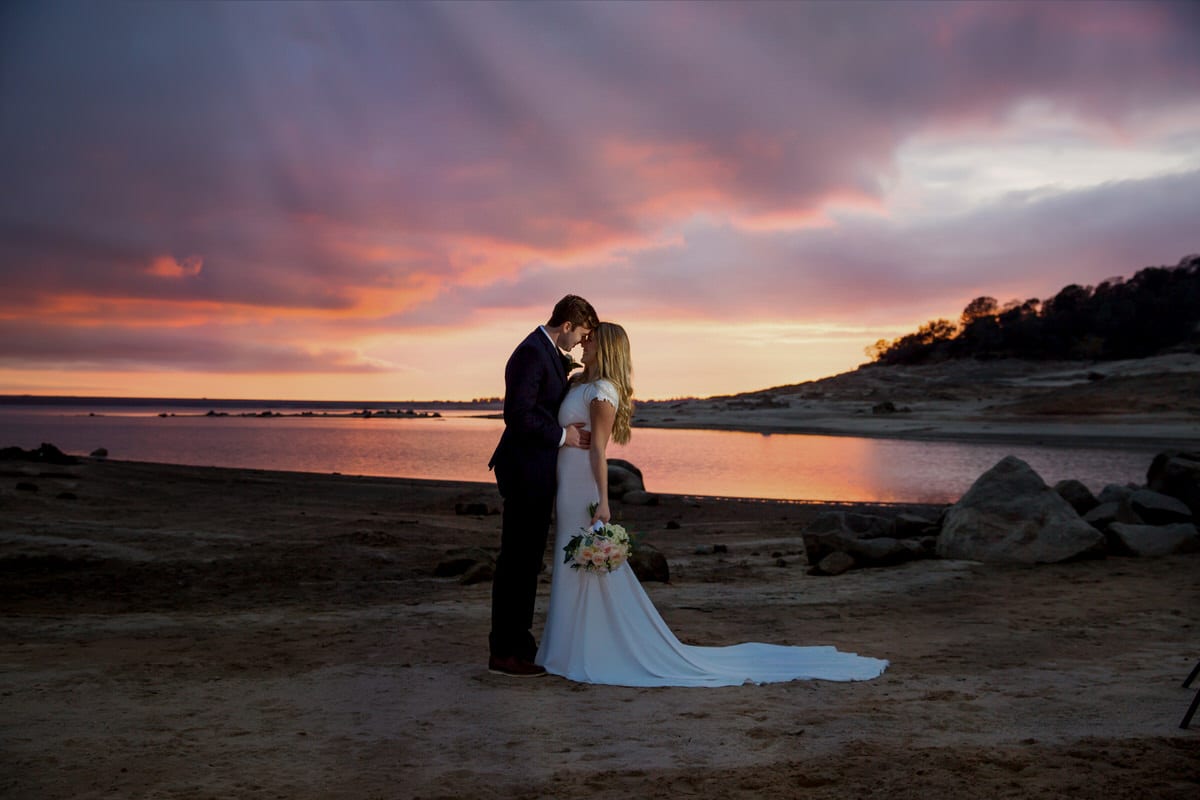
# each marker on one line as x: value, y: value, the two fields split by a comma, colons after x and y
x: 525, y: 461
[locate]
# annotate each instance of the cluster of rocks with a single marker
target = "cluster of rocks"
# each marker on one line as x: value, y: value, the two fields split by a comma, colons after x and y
x: 838, y: 541
x: 1010, y: 515
x: 46, y: 454
x: 1136, y: 521
x: 393, y: 412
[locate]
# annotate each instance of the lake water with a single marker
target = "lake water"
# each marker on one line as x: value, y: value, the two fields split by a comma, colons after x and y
x: 457, y: 447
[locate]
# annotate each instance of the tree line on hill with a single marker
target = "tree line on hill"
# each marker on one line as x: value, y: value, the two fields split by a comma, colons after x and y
x: 1156, y: 309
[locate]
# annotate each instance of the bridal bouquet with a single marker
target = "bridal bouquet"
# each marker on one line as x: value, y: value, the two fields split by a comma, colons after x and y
x: 601, y: 548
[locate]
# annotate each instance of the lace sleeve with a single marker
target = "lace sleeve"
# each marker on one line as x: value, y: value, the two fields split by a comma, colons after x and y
x: 604, y: 390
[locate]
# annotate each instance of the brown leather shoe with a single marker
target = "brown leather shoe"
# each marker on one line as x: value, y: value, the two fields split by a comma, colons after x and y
x: 515, y: 667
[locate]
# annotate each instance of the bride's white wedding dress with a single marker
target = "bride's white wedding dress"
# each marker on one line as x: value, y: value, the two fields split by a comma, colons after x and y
x: 602, y: 628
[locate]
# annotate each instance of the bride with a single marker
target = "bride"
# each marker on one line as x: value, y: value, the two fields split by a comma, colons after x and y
x: 602, y: 627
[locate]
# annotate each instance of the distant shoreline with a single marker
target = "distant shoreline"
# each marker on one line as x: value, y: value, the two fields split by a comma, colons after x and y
x: 225, y: 403
x: 1124, y: 432
x: 1138, y: 404
x: 366, y: 413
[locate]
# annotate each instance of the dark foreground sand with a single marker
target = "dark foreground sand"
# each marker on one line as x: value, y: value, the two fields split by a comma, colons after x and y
x: 180, y: 632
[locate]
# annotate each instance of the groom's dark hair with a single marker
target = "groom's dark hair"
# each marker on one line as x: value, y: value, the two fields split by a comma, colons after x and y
x: 575, y: 310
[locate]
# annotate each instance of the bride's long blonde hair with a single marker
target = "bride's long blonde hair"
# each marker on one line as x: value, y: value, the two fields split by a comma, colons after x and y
x: 614, y: 365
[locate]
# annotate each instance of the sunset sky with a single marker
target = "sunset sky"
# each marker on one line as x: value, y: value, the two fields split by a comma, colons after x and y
x: 377, y: 201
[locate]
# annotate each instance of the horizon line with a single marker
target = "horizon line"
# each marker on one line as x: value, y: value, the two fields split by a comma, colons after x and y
x: 10, y: 397
x: 18, y: 397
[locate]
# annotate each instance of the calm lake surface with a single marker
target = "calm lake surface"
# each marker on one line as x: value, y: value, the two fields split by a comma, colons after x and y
x: 457, y: 447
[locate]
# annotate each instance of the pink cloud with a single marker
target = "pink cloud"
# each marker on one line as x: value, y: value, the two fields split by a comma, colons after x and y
x: 171, y: 267
x: 372, y: 167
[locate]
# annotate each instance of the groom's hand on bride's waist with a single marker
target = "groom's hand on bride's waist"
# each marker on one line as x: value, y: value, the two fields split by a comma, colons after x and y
x: 577, y: 437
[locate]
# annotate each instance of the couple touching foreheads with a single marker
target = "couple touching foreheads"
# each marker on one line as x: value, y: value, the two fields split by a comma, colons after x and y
x: 552, y: 459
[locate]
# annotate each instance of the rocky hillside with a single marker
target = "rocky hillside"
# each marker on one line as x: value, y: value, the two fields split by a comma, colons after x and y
x: 952, y: 396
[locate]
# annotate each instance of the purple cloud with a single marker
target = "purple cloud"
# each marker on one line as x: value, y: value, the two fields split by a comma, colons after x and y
x: 198, y: 348
x: 377, y: 166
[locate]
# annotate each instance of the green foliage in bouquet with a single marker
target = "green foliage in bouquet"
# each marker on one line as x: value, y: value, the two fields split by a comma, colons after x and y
x: 599, y: 550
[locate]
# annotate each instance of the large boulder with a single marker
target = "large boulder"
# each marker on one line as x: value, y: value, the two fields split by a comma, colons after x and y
x: 1079, y: 496
x: 1115, y: 493
x: 649, y: 564
x: 883, y: 551
x: 1156, y: 540
x: 1010, y: 515
x: 638, y: 498
x: 834, y: 564
x: 1104, y: 515
x: 910, y: 526
x: 1177, y: 473
x: 623, y: 478
x: 1158, y: 509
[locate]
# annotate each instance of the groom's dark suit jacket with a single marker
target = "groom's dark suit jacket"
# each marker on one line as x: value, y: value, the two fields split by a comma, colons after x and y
x: 535, y: 382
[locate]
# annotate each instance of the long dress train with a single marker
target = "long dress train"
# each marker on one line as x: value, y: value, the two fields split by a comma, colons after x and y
x: 602, y: 628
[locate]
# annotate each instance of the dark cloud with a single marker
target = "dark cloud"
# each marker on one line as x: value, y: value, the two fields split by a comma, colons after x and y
x: 869, y: 264
x: 869, y: 267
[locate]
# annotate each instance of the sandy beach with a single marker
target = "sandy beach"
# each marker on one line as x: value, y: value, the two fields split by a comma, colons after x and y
x: 176, y: 632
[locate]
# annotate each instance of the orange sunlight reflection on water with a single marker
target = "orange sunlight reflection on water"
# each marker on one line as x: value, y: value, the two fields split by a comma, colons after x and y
x: 673, y: 461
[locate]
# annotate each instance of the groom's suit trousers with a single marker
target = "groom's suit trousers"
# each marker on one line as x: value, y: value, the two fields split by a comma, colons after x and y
x: 526, y: 527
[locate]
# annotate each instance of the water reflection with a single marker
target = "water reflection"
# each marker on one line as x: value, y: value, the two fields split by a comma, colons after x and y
x: 785, y: 466
x: 845, y: 468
